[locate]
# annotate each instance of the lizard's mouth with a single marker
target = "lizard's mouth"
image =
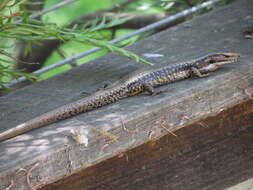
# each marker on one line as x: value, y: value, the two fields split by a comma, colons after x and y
x: 224, y: 58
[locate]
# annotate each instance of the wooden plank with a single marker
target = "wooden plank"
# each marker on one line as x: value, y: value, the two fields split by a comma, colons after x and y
x: 214, y: 153
x: 192, y: 100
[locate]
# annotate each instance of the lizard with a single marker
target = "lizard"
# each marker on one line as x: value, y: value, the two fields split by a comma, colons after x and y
x: 143, y: 81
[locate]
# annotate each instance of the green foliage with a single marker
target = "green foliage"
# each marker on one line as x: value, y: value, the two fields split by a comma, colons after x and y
x: 7, y: 72
x: 16, y: 25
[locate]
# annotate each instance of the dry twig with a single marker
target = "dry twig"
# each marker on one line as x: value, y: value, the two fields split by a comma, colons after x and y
x: 103, y: 133
x: 10, y: 186
x: 165, y: 125
x: 112, y: 137
x: 124, y: 127
x: 29, y: 174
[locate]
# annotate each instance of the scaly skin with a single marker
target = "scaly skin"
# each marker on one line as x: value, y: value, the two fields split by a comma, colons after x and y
x: 144, y: 81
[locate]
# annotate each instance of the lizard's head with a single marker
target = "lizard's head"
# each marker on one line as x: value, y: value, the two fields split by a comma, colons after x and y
x: 219, y: 59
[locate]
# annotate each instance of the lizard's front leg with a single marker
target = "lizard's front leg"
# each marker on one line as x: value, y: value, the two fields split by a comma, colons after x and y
x: 198, y: 73
x: 152, y: 91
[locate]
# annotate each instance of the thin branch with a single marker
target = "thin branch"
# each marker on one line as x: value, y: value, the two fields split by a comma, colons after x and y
x: 124, y: 4
x: 57, y: 6
x: 14, y: 58
x: 136, y: 20
x: 97, y: 14
x: 54, y: 7
x: 189, y: 3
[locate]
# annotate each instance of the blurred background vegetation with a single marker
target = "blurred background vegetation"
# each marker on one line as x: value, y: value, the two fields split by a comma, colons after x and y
x: 28, y: 44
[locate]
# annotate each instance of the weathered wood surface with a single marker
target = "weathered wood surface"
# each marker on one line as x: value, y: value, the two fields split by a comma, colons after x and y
x: 58, y: 155
x: 214, y: 153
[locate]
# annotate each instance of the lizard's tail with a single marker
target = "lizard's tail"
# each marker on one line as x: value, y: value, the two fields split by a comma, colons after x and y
x: 37, y: 122
x: 63, y: 112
